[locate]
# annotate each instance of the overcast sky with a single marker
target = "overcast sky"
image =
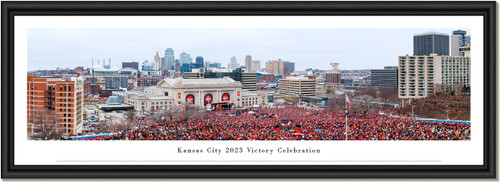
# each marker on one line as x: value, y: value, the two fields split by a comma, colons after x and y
x: 308, y: 48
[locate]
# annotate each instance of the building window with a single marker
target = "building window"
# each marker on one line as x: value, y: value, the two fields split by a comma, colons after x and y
x: 166, y: 93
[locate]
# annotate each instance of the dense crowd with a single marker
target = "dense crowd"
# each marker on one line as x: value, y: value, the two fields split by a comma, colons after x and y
x: 294, y: 123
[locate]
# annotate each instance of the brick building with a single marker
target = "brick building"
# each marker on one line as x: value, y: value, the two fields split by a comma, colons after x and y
x: 53, y: 102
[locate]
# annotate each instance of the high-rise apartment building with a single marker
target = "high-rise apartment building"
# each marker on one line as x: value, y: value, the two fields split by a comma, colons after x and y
x: 255, y: 67
x: 421, y: 76
x: 169, y: 59
x: 275, y: 66
x: 431, y: 43
x: 280, y: 67
x: 116, y: 82
x: 387, y: 77
x: 53, y: 102
x: 297, y: 85
x: 248, y: 62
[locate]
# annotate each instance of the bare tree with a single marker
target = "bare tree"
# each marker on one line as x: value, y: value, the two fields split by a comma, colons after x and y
x: 457, y: 87
x: 189, y: 111
x: 465, y: 89
x: 45, y: 125
x: 335, y: 104
x: 103, y: 127
x: 169, y: 114
x: 389, y: 94
x: 439, y: 88
x: 330, y: 89
x: 371, y: 91
x: 123, y: 125
x: 364, y: 107
x: 130, y: 114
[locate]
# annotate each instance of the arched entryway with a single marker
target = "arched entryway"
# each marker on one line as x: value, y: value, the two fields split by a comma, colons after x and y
x: 226, y: 97
x: 190, y: 99
x: 208, y: 99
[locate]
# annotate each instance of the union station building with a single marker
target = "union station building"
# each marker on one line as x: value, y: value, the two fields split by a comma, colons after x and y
x: 199, y: 92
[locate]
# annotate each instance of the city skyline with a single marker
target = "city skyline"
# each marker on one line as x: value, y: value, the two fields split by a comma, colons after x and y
x: 308, y: 48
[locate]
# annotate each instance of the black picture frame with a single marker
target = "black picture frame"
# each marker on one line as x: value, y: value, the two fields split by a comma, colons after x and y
x: 486, y: 9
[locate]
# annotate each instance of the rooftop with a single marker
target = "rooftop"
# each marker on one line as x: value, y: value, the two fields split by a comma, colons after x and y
x: 298, y: 78
x: 430, y: 33
x: 209, y: 82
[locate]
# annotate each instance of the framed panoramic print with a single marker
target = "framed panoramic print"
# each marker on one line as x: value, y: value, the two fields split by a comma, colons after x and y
x: 248, y: 89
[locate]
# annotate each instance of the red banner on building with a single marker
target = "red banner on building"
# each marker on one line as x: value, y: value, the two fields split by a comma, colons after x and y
x: 225, y: 97
x: 190, y: 99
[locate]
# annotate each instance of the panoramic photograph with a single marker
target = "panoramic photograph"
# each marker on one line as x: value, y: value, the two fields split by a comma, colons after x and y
x: 249, y: 84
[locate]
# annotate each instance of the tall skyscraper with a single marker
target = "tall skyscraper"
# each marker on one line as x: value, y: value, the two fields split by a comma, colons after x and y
x: 454, y: 45
x: 169, y: 61
x: 288, y: 67
x: 459, y: 39
x: 464, y: 39
x: 177, y: 65
x: 248, y: 62
x: 233, y: 64
x: 199, y: 61
x: 157, y: 61
x: 185, y: 58
x: 431, y: 43
x: 163, y: 63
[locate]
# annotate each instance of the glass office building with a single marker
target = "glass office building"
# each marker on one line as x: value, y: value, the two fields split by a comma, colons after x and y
x: 431, y: 43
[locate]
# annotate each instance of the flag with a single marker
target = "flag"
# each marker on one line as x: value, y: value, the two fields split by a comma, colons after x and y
x: 347, y: 101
